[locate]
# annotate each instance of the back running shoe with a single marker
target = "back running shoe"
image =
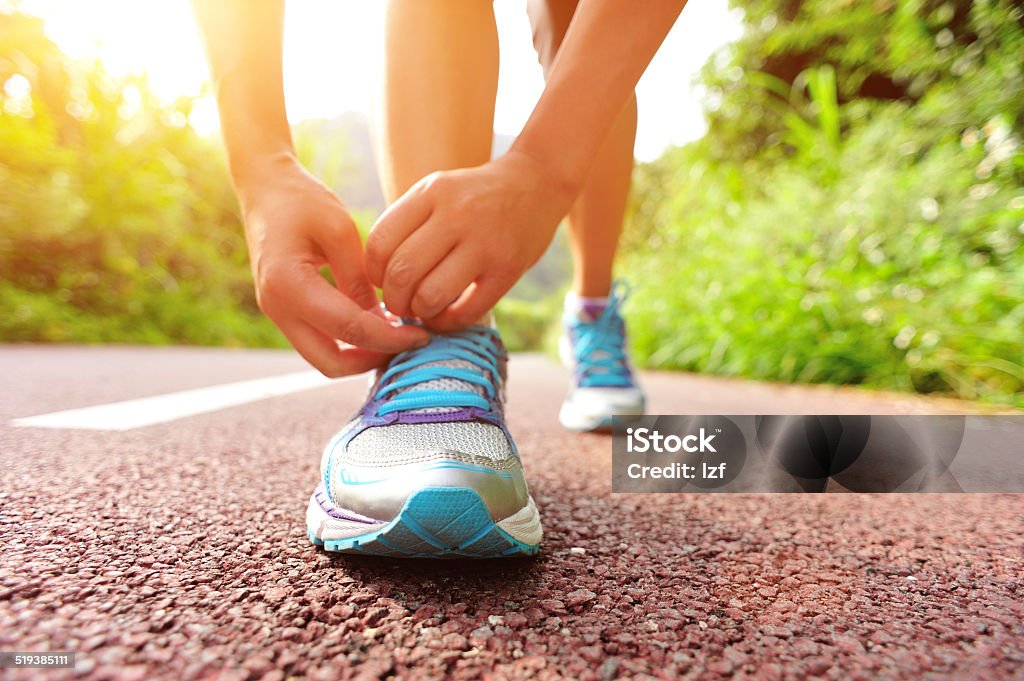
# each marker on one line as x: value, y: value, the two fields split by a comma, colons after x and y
x: 594, y: 348
x: 427, y: 468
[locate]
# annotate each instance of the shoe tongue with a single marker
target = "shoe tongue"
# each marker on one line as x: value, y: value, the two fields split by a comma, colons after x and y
x: 590, y: 313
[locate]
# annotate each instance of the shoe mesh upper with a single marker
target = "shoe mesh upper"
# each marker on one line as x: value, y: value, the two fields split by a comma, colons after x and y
x: 403, y: 443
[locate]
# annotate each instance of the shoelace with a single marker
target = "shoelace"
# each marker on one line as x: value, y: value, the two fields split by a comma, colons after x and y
x: 477, y: 345
x: 600, y: 346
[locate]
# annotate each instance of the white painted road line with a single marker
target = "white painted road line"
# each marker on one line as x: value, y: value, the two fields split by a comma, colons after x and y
x: 147, y: 411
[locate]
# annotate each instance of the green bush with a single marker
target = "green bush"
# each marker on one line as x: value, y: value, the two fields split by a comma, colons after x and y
x: 117, y: 223
x: 864, y: 241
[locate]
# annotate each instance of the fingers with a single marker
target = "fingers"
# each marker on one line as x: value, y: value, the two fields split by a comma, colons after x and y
x: 399, y: 221
x: 339, y: 317
x: 415, y: 259
x: 472, y: 306
x: 342, y: 249
x: 301, y: 293
x: 330, y: 358
x: 443, y: 285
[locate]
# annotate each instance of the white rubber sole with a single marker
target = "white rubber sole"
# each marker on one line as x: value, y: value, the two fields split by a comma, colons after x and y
x: 573, y: 419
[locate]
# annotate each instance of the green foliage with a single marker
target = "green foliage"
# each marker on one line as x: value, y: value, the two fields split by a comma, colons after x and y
x: 117, y: 222
x: 831, y: 236
x: 529, y: 325
x: 880, y: 50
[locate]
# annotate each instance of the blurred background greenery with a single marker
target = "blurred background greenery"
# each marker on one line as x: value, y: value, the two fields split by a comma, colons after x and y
x: 854, y: 213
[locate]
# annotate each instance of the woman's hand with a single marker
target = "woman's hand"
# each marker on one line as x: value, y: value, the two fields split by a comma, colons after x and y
x: 458, y: 240
x: 294, y: 226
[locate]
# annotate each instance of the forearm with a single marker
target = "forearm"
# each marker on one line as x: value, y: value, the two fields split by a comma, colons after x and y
x: 244, y: 42
x: 607, y: 48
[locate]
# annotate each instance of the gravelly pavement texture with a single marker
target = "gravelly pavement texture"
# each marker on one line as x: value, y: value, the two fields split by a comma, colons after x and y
x: 178, y: 550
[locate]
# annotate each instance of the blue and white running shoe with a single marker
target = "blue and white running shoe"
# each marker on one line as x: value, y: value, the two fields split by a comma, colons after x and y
x: 594, y: 348
x: 427, y: 468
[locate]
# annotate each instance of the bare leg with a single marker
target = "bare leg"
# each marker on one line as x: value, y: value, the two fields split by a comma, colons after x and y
x: 595, y: 220
x: 440, y: 82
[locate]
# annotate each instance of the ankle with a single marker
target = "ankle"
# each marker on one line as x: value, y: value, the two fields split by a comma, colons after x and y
x: 586, y: 308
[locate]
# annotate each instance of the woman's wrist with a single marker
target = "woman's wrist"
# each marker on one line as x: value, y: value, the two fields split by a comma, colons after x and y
x: 251, y: 173
x: 557, y: 177
x: 255, y: 129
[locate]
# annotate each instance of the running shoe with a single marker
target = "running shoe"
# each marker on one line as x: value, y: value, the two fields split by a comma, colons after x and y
x: 593, y: 347
x: 427, y: 468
